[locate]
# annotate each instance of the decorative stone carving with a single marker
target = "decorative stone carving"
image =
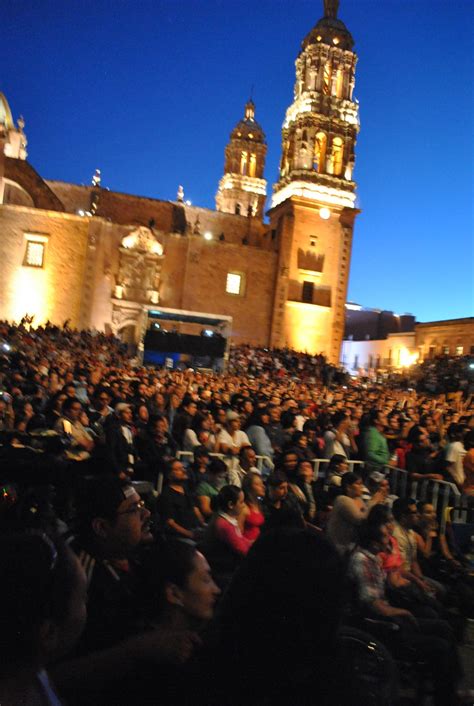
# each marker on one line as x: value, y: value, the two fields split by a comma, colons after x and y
x: 141, y: 256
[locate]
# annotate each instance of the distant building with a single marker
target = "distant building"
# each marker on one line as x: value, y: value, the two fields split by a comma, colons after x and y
x: 363, y: 324
x: 104, y: 259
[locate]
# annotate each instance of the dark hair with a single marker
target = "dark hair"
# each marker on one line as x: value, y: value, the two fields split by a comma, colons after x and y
x: 469, y: 440
x: 217, y: 465
x: 38, y: 579
x: 247, y: 485
x: 68, y: 402
x: 379, y: 515
x: 171, y: 561
x: 336, y: 460
x: 200, y: 452
x: 276, y: 478
x: 348, y: 479
x: 400, y: 507
x: 338, y: 417
x: 290, y: 585
x: 228, y: 494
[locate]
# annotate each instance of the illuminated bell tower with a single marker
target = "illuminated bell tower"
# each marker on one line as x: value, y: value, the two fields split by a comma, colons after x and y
x: 242, y: 189
x: 313, y: 204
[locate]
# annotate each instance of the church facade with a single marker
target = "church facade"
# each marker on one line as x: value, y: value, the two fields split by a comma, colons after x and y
x: 104, y: 259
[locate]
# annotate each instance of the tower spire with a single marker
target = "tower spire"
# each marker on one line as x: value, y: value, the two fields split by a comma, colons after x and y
x: 330, y: 8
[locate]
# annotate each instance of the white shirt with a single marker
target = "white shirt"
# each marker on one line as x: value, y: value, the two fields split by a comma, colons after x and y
x: 455, y: 453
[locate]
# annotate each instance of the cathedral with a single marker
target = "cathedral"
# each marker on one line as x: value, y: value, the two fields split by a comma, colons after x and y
x: 113, y: 261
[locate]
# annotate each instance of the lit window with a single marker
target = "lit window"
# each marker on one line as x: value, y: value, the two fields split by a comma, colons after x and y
x: 235, y: 283
x: 35, y: 247
x: 253, y: 165
x: 446, y: 350
x: 459, y: 350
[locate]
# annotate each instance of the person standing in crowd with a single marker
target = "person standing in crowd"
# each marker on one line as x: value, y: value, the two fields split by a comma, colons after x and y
x: 375, y: 447
x: 121, y: 450
x: 455, y: 453
x: 183, y: 420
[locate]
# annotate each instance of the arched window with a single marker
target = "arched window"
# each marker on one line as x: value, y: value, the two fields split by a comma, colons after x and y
x: 319, y: 157
x: 327, y: 79
x: 339, y: 83
x: 337, y: 154
x: 243, y: 163
x: 253, y: 165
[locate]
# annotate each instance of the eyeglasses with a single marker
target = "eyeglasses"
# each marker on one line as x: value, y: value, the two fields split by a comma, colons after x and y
x: 138, y: 507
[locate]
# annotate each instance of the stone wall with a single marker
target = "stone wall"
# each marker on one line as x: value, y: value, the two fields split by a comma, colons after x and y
x: 445, y: 337
x: 55, y: 290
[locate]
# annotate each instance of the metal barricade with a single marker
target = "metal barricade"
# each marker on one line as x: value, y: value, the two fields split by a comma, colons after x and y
x: 439, y: 493
x: 321, y: 472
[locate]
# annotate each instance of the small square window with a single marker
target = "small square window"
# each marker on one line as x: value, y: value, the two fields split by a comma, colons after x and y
x: 459, y: 350
x: 235, y: 283
x: 34, y: 256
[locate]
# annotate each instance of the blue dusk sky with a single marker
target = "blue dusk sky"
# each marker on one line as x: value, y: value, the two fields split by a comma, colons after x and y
x: 149, y: 90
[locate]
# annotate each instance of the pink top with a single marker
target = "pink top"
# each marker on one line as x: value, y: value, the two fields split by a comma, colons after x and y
x: 391, y: 561
x: 230, y: 534
x: 253, y: 522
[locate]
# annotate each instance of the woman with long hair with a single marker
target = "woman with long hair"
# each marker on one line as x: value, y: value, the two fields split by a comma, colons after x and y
x: 253, y: 489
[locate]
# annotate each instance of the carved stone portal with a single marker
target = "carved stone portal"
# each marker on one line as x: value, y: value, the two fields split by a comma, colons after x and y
x: 141, y: 257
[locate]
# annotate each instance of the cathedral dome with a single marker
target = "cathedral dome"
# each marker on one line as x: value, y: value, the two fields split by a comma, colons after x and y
x: 5, y: 113
x: 332, y: 31
x: 248, y: 128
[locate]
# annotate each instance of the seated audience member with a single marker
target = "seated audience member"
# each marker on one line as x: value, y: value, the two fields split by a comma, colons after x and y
x: 454, y: 455
x: 246, y: 464
x: 306, y: 485
x: 178, y: 599
x: 336, y: 469
x: 112, y: 524
x: 430, y: 640
x: 209, y: 486
x: 199, y: 433
x: 339, y: 439
x: 299, y: 442
x: 254, y: 491
x: 231, y: 438
x: 224, y: 544
x: 422, y: 462
x: 285, y: 601
x: 279, y: 507
x: 257, y: 435
x: 348, y: 513
x: 80, y: 440
x: 43, y: 596
x: 406, y: 516
x: 183, y: 420
x: 120, y: 445
x: 468, y: 465
x: 155, y: 446
x: 197, y: 470
x: 179, y: 515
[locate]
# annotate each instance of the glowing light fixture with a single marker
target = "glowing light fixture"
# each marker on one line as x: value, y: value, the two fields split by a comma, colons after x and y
x: 324, y: 213
x: 319, y: 37
x: 335, y: 40
x: 207, y: 235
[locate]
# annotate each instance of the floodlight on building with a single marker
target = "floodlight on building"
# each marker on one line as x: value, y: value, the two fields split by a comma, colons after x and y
x: 188, y: 203
x: 324, y: 213
x: 207, y: 235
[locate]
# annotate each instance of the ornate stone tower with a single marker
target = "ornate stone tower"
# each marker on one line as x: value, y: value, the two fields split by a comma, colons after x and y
x: 242, y: 189
x: 313, y: 209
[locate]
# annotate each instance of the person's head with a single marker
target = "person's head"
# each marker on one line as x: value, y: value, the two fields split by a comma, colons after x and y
x: 381, y: 515
x: 69, y: 390
x: 290, y: 585
x: 190, y: 407
x: 179, y: 588
x: 289, y: 461
x: 469, y: 441
x: 43, y: 597
x: 124, y: 413
x: 340, y: 420
x: 375, y: 536
x: 247, y: 457
x: 455, y: 432
x: 419, y: 438
x: 299, y: 440
x: 176, y: 472
x: 277, y: 486
x: 405, y: 512
x: 305, y: 471
x: 232, y: 421
x: 351, y: 485
x: 102, y: 400
x: 142, y: 414
x: 426, y: 513
x: 72, y: 408
x: 112, y: 518
x: 338, y: 464
x: 230, y: 500
x: 201, y: 455
x: 157, y: 425
x: 217, y: 473
x: 274, y: 413
x: 378, y: 419
x: 253, y: 487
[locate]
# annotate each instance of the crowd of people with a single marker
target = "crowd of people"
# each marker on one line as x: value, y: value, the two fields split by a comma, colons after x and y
x: 183, y: 507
